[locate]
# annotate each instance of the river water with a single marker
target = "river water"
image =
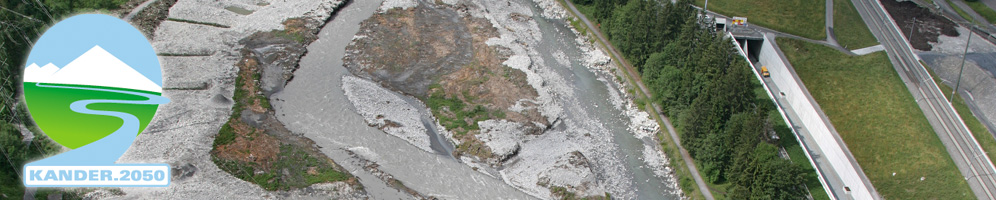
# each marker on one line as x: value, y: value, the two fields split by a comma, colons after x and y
x: 594, y: 95
x: 314, y: 104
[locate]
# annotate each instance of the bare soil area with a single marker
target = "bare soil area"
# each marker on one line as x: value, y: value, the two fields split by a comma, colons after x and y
x: 254, y: 145
x: 926, y: 26
x: 435, y: 53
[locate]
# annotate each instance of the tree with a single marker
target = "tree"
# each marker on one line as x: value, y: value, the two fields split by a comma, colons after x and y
x: 770, y: 177
x: 21, y: 23
x: 695, y: 74
x: 15, y: 153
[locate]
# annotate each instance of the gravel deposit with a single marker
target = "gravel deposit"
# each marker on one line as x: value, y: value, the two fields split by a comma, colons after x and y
x: 577, y: 152
x: 315, y: 105
x: 182, y: 132
x: 400, y: 4
x: 502, y: 136
x: 384, y: 109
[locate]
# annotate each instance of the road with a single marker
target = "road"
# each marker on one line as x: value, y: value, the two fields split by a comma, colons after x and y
x: 633, y: 75
x: 968, y: 10
x: 975, y: 166
x: 836, y: 167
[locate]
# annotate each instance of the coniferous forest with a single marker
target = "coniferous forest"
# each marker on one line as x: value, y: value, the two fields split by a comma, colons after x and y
x: 708, y: 90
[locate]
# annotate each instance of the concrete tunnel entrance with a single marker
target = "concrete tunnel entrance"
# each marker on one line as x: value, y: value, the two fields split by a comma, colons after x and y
x: 752, y: 46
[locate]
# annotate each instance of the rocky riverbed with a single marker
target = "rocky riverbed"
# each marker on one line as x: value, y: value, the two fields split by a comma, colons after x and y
x: 566, y: 127
x: 199, y: 46
x: 550, y: 120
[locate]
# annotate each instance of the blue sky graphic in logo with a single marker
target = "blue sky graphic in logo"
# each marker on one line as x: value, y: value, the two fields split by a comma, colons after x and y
x: 92, y: 83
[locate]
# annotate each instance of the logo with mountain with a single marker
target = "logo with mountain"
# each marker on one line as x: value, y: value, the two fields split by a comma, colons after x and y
x: 92, y: 83
x: 90, y: 76
x: 50, y: 90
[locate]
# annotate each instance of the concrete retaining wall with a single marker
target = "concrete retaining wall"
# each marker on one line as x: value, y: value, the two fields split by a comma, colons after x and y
x: 793, y: 94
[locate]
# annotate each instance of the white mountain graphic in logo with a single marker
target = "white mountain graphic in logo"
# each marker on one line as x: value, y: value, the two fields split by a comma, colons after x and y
x: 96, y: 67
x: 38, y: 74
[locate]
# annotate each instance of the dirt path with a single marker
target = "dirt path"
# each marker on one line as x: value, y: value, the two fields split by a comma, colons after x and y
x: 631, y: 72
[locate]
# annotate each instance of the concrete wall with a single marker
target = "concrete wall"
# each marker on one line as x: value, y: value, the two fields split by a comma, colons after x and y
x: 781, y: 111
x: 793, y: 94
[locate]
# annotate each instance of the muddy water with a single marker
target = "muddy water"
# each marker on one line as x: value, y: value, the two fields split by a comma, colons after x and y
x: 594, y: 96
x: 314, y: 104
x: 438, y: 143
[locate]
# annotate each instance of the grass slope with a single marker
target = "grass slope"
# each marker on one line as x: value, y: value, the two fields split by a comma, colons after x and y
x: 982, y: 10
x: 50, y: 109
x: 962, y: 13
x: 880, y: 122
x: 851, y: 31
x: 798, y: 17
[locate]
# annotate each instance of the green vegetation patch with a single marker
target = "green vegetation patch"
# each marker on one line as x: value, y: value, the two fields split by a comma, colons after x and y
x: 565, y: 194
x: 982, y: 10
x: 850, y: 29
x: 684, y: 176
x: 792, y: 146
x: 19, y: 153
x: 261, y: 155
x: 455, y: 115
x: 798, y: 156
x: 962, y: 13
x: 879, y: 120
x: 302, y: 170
x: 804, y: 18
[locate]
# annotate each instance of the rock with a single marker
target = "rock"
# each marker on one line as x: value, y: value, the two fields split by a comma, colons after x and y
x: 183, y: 171
x: 501, y: 136
x: 571, y: 171
x: 383, y: 109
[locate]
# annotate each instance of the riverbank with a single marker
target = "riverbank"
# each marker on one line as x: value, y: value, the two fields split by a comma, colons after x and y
x: 597, y: 143
x: 315, y: 105
x: 199, y: 50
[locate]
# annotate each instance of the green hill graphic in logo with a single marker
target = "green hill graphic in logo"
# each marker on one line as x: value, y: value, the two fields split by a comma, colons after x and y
x: 49, y: 91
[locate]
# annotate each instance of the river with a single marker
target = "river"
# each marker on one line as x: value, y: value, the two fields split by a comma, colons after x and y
x: 107, y: 150
x: 594, y: 95
x: 314, y: 104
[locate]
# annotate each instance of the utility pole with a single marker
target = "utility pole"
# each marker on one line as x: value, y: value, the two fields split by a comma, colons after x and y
x: 706, y: 7
x: 963, y: 57
x: 912, y: 26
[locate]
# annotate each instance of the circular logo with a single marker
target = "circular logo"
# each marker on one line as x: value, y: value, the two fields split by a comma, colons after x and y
x: 90, y: 76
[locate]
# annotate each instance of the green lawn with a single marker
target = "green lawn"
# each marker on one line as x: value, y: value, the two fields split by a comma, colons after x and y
x: 962, y: 13
x: 798, y: 17
x: 980, y: 131
x: 879, y: 120
x: 851, y: 31
x: 983, y: 10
